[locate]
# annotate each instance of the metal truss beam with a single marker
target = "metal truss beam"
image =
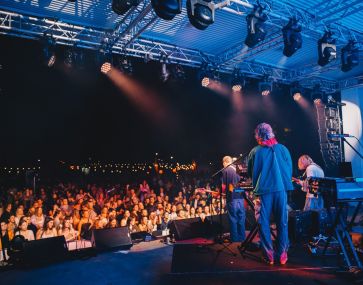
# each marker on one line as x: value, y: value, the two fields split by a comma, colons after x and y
x: 278, y: 14
x: 351, y: 82
x: 84, y: 37
x: 137, y: 20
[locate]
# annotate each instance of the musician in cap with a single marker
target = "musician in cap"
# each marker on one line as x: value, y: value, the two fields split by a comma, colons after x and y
x: 270, y: 167
x: 235, y: 205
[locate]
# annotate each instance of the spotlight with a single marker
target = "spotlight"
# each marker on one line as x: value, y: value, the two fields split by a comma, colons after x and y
x: 237, y: 81
x: 103, y: 61
x: 327, y: 50
x: 167, y: 9
x: 205, y: 74
x: 124, y: 64
x: 178, y: 72
x: 49, y: 56
x: 205, y: 81
x: 106, y: 67
x: 255, y: 26
x: 297, y: 96
x: 265, y: 87
x: 350, y: 56
x: 164, y: 72
x: 120, y: 7
x: 69, y: 58
x: 292, y: 37
x: 296, y: 91
x: 317, y: 95
x: 200, y: 13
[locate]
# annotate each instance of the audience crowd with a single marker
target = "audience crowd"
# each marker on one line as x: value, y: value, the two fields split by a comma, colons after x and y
x: 73, y: 211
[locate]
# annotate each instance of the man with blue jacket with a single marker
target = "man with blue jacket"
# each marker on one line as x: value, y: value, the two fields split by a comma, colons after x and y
x: 270, y: 167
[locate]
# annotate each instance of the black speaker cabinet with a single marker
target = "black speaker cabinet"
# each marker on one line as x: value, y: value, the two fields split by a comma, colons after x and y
x: 115, y: 238
x: 45, y: 250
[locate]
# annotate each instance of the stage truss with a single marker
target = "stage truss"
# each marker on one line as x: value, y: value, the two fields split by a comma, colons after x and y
x: 127, y: 38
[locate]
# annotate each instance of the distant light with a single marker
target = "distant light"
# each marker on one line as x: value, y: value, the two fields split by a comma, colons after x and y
x: 265, y: 92
x: 51, y: 61
x: 237, y: 87
x: 205, y: 81
x: 106, y: 67
x: 265, y: 87
x: 318, y: 101
x: 297, y: 96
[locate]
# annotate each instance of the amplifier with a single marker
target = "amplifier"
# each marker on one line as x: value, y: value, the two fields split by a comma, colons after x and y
x: 335, y: 190
x: 299, y: 225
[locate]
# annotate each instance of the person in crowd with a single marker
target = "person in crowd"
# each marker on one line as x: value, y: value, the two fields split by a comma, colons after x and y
x: 7, y: 213
x: 23, y: 230
x: 66, y: 229
x: 270, y: 167
x: 143, y: 225
x: 38, y: 218
x: 6, y: 235
x: 311, y: 169
x: 48, y: 229
x: 112, y: 223
x: 133, y: 226
x: 85, y: 224
x: 19, y: 213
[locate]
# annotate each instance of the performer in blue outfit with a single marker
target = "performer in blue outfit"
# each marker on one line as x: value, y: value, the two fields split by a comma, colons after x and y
x: 235, y: 206
x: 270, y: 166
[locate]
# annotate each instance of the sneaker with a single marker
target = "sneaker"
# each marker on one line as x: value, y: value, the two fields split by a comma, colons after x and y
x: 267, y: 261
x: 283, y: 258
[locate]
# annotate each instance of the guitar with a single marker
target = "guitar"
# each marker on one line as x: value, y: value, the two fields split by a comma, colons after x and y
x: 203, y: 190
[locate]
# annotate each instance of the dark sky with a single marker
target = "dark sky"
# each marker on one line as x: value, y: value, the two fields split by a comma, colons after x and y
x: 72, y: 114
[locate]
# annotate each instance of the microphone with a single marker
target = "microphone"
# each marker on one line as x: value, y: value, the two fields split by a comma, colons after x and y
x: 334, y: 136
x: 332, y: 100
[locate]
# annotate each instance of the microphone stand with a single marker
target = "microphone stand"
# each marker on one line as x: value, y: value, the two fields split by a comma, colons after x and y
x: 355, y: 150
x: 220, y: 234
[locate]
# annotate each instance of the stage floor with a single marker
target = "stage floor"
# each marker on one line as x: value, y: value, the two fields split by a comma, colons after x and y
x: 151, y: 263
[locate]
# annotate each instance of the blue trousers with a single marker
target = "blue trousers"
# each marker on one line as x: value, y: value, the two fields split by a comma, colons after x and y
x: 273, y: 203
x: 237, y: 217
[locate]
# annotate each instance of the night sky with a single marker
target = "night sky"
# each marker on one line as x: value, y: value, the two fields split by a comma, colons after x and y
x: 72, y: 114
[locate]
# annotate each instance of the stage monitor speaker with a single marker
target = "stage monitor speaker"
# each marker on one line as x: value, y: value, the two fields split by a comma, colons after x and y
x: 115, y: 238
x: 189, y: 228
x: 195, y: 227
x: 44, y: 251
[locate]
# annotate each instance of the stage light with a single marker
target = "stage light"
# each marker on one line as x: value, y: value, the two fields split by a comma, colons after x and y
x: 124, y: 64
x: 120, y: 7
x: 296, y: 91
x: 178, y: 72
x: 69, y: 58
x: 200, y: 13
x: 255, y: 26
x: 49, y: 55
x: 237, y: 81
x: 205, y: 81
x: 104, y: 61
x: 327, y: 50
x: 167, y: 9
x: 317, y: 95
x: 292, y: 37
x: 350, y: 56
x: 106, y: 67
x: 165, y: 73
x: 265, y: 87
